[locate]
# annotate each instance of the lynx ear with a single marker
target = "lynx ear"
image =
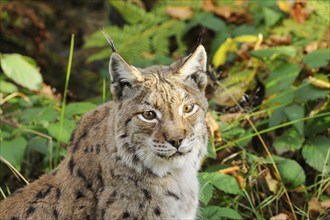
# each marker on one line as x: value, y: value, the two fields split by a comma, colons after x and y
x: 194, y: 67
x: 123, y: 76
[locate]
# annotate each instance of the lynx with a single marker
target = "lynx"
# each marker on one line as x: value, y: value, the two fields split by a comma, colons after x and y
x: 136, y: 157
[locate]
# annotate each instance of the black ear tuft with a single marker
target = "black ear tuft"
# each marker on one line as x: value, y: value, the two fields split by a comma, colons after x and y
x: 110, y: 41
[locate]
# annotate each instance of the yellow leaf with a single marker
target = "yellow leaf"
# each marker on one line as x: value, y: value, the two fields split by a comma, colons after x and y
x: 220, y: 55
x: 271, y: 183
x: 246, y: 39
x: 181, y: 13
x: 319, y: 83
x: 281, y: 216
x: 284, y: 5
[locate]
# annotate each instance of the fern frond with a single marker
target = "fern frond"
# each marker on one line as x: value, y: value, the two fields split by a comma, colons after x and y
x: 131, y: 13
x: 146, y: 32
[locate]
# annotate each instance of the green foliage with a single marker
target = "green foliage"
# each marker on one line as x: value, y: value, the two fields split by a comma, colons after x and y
x: 21, y: 71
x: 215, y: 212
x: 145, y: 33
x: 276, y: 144
x: 32, y: 119
x: 13, y: 151
x: 291, y: 172
x: 291, y: 140
x: 317, y: 59
x: 317, y: 153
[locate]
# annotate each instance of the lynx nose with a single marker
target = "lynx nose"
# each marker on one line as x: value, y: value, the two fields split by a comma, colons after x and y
x: 175, y: 137
x: 174, y: 141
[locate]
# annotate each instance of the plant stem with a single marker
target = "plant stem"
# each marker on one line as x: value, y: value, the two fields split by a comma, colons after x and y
x: 68, y: 73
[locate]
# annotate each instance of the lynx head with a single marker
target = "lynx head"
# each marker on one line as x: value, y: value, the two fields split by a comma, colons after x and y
x: 160, y: 112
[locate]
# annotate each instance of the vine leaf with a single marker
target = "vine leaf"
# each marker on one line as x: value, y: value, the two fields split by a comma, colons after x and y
x: 316, y: 154
x: 290, y: 140
x: 22, y: 72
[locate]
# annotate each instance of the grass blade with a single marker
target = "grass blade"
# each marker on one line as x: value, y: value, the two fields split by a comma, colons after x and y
x: 68, y: 73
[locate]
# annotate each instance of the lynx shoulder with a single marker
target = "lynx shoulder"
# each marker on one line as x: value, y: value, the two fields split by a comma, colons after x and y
x: 136, y: 157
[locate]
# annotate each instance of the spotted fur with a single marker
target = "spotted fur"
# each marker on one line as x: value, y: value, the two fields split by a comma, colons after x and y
x: 124, y: 163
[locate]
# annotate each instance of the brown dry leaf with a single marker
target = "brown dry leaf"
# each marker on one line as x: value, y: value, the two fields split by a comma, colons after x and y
x: 314, y: 207
x: 271, y: 183
x: 299, y: 189
x: 296, y: 9
x: 47, y: 91
x: 241, y: 181
x: 181, y: 13
x: 325, y: 204
x: 232, y: 14
x: 277, y: 40
x: 311, y: 47
x: 208, y: 5
x: 230, y: 170
x: 223, y: 11
x: 300, y: 14
x: 213, y: 127
x: 230, y: 117
x: 280, y: 216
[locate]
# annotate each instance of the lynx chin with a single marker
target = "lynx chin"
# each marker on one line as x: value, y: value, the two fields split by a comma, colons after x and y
x: 136, y: 157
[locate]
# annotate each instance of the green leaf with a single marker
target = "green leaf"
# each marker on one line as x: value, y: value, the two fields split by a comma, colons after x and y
x: 317, y: 125
x: 13, y: 151
x: 291, y: 172
x: 39, y: 144
x: 282, y: 98
x: 270, y: 16
x: 67, y: 128
x: 316, y: 153
x: 317, y: 59
x: 39, y: 115
x: 211, y: 22
x: 4, y: 135
x: 274, y: 53
x: 234, y: 87
x: 276, y: 117
x: 296, y: 112
x: 78, y: 108
x: 215, y: 212
x: 290, y: 140
x: 306, y: 92
x: 211, y: 152
x: 206, y: 189
x: 18, y: 69
x: 7, y: 87
x: 223, y: 182
x: 281, y: 78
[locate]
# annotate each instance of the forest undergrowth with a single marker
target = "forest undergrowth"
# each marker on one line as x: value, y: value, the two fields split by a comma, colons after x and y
x: 269, y: 113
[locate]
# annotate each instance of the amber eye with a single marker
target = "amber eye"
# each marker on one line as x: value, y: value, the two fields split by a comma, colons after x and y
x: 187, y: 108
x: 149, y: 115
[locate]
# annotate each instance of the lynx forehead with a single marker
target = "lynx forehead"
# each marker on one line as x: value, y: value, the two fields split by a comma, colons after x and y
x: 136, y: 157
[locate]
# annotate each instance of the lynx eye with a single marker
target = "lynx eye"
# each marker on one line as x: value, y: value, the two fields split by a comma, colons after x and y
x: 149, y: 115
x: 187, y: 108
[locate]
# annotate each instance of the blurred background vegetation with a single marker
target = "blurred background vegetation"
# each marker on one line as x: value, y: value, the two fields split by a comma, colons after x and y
x: 269, y: 70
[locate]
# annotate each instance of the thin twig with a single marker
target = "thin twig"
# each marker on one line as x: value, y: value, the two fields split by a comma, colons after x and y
x: 15, y: 171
